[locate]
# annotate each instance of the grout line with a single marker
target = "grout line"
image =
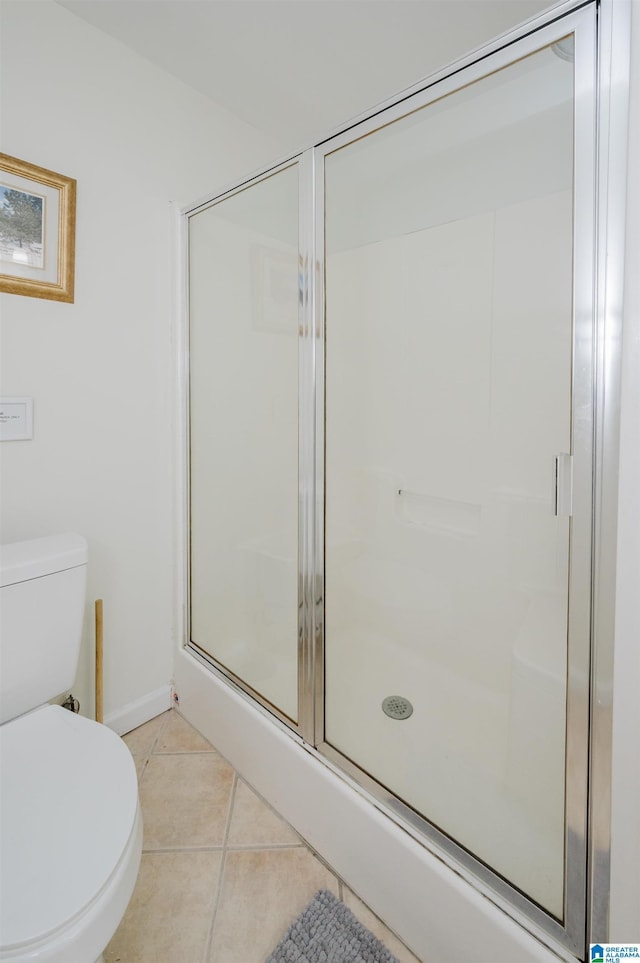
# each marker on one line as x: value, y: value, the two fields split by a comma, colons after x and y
x: 160, y: 731
x: 186, y: 752
x: 146, y: 756
x: 232, y: 800
x: 143, y: 767
x: 262, y: 847
x: 155, y: 850
x: 221, y: 874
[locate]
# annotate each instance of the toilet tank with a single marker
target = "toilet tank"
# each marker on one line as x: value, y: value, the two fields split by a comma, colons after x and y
x: 42, y: 601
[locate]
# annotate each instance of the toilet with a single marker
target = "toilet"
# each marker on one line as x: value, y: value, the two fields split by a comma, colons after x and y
x: 70, y: 820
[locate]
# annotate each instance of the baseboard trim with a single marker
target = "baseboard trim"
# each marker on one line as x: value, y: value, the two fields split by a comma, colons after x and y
x: 142, y: 710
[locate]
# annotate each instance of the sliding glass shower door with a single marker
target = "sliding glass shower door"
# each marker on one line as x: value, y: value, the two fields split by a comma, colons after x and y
x: 458, y: 393
x: 391, y: 389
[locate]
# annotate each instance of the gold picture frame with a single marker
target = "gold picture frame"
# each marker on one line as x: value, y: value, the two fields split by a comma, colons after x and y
x: 37, y: 231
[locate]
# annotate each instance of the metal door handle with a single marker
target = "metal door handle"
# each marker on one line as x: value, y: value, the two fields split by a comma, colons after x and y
x: 564, y: 485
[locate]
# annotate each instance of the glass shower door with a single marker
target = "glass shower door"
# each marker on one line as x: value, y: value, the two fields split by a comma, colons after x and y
x: 454, y: 425
x: 243, y: 349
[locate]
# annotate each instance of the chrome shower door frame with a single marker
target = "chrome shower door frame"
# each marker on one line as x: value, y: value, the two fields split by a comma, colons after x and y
x: 598, y: 247
x: 303, y: 725
x: 570, y: 931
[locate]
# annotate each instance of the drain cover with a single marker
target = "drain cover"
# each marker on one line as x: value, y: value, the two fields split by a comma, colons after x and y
x: 397, y: 707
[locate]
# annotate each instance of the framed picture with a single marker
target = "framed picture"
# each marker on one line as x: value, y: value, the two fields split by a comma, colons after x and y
x: 37, y: 230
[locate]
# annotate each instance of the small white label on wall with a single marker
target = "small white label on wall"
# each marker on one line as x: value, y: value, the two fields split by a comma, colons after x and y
x: 16, y: 419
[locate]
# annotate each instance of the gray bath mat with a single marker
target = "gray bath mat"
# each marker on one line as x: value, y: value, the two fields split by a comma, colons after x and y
x: 328, y: 932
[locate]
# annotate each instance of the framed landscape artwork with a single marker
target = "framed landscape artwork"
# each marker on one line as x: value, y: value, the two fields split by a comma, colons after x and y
x: 37, y: 230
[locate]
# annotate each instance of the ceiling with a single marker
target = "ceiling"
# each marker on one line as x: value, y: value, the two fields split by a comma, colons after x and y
x: 297, y: 69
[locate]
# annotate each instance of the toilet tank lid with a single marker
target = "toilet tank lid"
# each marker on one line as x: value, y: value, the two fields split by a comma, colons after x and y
x: 21, y: 561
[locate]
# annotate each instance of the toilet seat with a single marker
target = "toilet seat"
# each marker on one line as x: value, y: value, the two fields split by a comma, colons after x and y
x: 61, y: 860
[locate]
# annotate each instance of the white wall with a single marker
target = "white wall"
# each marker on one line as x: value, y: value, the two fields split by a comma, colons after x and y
x: 100, y: 370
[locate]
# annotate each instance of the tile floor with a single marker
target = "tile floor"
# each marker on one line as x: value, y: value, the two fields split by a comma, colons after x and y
x: 222, y: 875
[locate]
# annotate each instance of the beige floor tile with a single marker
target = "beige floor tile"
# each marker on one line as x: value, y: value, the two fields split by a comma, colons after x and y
x: 140, y: 762
x: 141, y: 740
x: 179, y: 736
x: 169, y: 915
x: 253, y: 823
x: 377, y: 927
x: 185, y: 800
x: 262, y: 893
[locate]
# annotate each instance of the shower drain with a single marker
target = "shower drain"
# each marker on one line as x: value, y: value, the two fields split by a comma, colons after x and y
x: 397, y: 707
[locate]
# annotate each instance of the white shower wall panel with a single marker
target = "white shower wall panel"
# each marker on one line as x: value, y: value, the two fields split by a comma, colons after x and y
x: 448, y: 395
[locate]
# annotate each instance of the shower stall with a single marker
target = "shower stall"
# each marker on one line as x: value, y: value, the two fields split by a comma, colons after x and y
x: 394, y: 405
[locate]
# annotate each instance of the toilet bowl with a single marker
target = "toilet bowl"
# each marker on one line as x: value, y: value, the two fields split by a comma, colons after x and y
x: 70, y: 821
